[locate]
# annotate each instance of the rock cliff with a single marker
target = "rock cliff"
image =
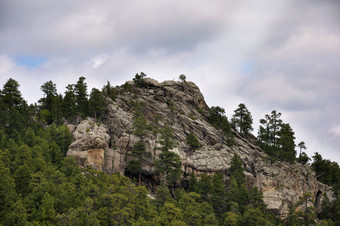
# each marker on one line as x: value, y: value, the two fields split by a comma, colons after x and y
x: 182, y: 106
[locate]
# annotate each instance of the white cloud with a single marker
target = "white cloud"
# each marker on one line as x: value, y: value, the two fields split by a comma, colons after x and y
x: 6, y: 65
x: 293, y: 49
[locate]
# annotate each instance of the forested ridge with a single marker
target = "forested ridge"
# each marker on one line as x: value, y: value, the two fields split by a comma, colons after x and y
x: 40, y: 185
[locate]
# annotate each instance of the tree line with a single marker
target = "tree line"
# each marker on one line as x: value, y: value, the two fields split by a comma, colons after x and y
x: 39, y: 185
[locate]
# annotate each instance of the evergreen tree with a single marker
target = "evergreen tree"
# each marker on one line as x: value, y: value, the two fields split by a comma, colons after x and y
x: 47, y: 211
x: 269, y: 131
x: 69, y: 102
x: 12, y: 109
x: 204, y: 187
x: 96, y: 104
x: 139, y: 79
x: 169, y: 163
x: 326, y: 171
x: 237, y: 191
x: 303, y: 158
x: 183, y: 78
x: 80, y: 90
x: 308, y: 213
x: 218, y: 119
x: 218, y: 195
x: 50, y: 102
x: 243, y: 120
x: 8, y: 195
x: 10, y: 95
x: 236, y: 169
x: 17, y: 214
x: 193, y: 183
x: 193, y: 142
x: 22, y: 177
x: 110, y: 91
x: 135, y: 166
x: 302, y: 146
x: 139, y: 149
x: 286, y: 144
x: 277, y: 138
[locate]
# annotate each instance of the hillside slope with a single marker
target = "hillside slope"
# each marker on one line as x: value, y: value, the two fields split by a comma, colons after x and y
x: 105, y: 146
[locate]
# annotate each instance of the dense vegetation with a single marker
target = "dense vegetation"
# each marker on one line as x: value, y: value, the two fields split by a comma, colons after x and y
x: 40, y: 185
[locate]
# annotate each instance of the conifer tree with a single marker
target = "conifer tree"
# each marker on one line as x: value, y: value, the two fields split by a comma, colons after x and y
x: 218, y: 195
x: 69, y: 102
x: 139, y: 79
x: 169, y: 163
x: 242, y: 120
x: 80, y: 90
x: 51, y: 103
x: 96, y: 104
x: 286, y: 144
x: 12, y: 108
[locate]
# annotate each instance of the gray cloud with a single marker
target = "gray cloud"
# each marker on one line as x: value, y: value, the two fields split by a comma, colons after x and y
x: 268, y: 54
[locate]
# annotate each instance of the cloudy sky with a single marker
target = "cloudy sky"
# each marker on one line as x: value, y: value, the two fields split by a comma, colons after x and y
x: 281, y: 54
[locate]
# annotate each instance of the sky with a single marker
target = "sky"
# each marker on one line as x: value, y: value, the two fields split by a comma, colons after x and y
x: 282, y: 54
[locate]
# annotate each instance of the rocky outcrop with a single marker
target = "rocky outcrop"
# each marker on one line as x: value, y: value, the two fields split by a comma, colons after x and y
x: 90, y: 144
x: 182, y: 106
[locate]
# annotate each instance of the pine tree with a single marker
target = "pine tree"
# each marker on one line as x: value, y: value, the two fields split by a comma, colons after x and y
x: 243, y: 120
x: 12, y: 109
x: 69, y: 102
x: 139, y: 79
x: 135, y: 166
x: 7, y: 190
x: 218, y: 119
x: 193, y: 142
x: 96, y: 104
x: 218, y: 195
x: 50, y: 101
x: 47, y: 211
x: 269, y: 132
x: 236, y: 169
x: 169, y: 163
x: 80, y: 90
x: 286, y: 144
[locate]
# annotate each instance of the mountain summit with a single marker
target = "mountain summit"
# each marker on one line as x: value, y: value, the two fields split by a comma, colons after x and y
x: 140, y: 109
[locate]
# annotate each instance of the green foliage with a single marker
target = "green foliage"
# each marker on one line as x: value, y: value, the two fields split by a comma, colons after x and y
x: 327, y: 172
x: 218, y: 119
x: 307, y: 215
x: 254, y: 217
x: 183, y: 78
x: 232, y: 219
x: 303, y: 158
x: 140, y: 124
x: 96, y: 104
x: 236, y: 169
x: 193, y: 142
x: 40, y: 186
x: 69, y: 102
x: 139, y: 79
x: 50, y: 104
x: 80, y: 90
x: 286, y: 144
x: 277, y: 138
x: 242, y: 120
x: 169, y: 163
x: 110, y: 91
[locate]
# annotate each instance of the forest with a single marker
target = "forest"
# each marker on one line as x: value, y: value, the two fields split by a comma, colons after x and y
x: 39, y: 185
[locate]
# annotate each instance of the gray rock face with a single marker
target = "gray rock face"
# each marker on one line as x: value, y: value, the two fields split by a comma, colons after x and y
x: 90, y: 142
x: 182, y: 106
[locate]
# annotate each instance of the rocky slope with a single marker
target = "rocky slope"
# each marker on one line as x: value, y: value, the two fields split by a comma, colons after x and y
x: 182, y: 106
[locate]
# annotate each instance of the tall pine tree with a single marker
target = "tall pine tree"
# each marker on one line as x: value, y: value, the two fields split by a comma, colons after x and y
x: 242, y: 120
